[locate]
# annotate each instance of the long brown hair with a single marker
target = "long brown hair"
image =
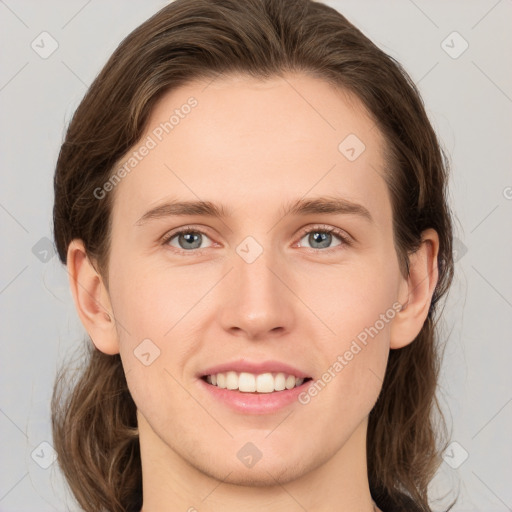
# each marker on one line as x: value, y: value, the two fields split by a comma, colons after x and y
x: 93, y: 415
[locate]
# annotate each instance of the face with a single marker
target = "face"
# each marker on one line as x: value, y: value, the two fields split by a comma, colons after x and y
x: 292, y: 281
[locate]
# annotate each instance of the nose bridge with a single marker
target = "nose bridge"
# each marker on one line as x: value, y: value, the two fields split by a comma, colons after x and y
x: 259, y: 302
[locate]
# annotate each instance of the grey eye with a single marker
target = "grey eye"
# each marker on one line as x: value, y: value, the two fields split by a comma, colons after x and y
x: 320, y: 239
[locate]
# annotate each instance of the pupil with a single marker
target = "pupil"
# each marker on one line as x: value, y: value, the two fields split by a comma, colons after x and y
x: 190, y: 238
x: 319, y: 237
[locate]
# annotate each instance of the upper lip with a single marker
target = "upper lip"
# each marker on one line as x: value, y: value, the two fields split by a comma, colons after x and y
x: 255, y: 368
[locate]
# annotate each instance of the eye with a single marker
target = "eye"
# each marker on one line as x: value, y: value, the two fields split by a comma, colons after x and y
x: 190, y: 240
x: 187, y: 239
x: 321, y: 237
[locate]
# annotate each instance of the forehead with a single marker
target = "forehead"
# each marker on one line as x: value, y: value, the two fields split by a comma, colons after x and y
x: 253, y: 143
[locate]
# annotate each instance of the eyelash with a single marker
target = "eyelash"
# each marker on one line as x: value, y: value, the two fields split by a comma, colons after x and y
x: 345, y: 241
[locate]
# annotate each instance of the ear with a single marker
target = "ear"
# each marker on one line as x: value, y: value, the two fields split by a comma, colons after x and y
x: 416, y: 291
x: 92, y: 300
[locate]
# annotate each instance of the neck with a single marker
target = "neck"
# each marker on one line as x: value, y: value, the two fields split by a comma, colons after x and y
x: 170, y: 482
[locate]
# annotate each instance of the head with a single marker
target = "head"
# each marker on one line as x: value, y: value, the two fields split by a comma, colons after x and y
x: 247, y: 105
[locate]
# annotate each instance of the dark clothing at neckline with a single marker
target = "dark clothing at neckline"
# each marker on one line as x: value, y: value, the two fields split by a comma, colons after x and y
x: 382, y: 499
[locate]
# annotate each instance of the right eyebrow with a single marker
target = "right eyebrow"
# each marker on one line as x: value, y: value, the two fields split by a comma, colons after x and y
x: 183, y: 208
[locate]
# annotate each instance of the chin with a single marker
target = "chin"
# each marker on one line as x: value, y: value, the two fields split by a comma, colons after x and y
x: 262, y: 474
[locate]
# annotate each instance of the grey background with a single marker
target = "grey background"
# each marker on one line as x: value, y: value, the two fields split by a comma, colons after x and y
x: 469, y: 100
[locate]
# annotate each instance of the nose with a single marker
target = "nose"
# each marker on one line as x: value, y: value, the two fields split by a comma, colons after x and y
x: 258, y: 301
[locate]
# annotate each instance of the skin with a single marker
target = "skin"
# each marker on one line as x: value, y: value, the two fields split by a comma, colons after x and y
x: 253, y: 146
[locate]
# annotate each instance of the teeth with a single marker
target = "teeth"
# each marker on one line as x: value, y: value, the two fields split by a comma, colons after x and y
x: 250, y: 383
x: 247, y: 383
x: 231, y: 380
x: 221, y: 380
x: 265, y: 383
x: 280, y: 382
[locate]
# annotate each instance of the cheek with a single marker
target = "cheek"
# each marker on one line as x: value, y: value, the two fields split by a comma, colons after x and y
x: 352, y: 377
x: 157, y: 310
x: 359, y: 306
x: 146, y: 299
x: 353, y: 298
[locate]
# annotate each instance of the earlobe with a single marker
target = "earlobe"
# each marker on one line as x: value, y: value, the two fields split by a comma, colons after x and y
x: 416, y: 291
x: 91, y: 299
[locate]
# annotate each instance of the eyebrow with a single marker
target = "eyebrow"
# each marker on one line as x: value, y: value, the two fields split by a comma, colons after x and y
x: 317, y: 205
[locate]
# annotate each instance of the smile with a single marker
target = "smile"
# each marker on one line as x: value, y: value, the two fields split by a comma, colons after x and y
x: 254, y: 383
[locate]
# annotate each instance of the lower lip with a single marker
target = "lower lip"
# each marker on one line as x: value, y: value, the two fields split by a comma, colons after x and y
x: 255, y: 403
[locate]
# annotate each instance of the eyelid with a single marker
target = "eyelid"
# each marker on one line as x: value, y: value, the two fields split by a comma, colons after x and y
x: 346, y: 239
x: 184, y: 229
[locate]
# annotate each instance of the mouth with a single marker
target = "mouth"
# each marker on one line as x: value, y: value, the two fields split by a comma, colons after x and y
x: 252, y: 387
x: 262, y: 383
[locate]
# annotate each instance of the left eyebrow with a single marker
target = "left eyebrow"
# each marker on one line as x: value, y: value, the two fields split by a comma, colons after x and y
x: 327, y: 205
x: 308, y: 206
